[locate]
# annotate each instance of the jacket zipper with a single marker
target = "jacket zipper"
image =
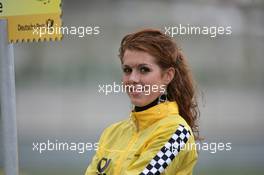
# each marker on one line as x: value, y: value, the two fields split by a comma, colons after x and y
x: 129, y: 146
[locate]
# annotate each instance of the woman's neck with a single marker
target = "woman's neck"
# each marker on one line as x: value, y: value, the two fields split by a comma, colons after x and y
x: 142, y: 108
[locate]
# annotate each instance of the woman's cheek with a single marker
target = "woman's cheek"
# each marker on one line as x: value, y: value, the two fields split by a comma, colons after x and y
x: 124, y: 79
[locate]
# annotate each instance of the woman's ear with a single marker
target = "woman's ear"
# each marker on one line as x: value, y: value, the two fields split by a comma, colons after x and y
x: 168, y: 76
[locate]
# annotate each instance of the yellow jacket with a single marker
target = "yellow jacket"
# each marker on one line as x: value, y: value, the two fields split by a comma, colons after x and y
x: 146, y: 143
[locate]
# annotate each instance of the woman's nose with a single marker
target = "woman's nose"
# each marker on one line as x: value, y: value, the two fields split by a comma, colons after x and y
x: 134, y: 77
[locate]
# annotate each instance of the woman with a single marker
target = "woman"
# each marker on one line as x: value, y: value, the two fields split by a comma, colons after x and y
x: 153, y: 140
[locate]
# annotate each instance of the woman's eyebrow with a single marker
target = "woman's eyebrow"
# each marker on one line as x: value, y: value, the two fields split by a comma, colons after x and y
x: 144, y: 64
x: 137, y: 65
x: 125, y: 65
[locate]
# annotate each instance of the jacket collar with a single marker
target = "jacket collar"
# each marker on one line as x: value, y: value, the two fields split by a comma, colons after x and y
x: 145, y: 118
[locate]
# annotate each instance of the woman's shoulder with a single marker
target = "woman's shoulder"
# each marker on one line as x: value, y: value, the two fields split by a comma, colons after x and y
x: 174, y: 124
x: 174, y: 121
x: 117, y: 126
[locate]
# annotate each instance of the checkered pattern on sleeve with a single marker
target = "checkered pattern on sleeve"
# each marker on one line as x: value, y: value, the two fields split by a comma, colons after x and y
x: 168, y: 152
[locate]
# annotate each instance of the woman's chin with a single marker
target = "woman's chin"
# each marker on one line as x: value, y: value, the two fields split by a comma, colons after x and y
x: 137, y: 102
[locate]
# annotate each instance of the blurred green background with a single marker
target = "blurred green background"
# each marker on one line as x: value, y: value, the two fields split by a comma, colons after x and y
x: 57, y: 82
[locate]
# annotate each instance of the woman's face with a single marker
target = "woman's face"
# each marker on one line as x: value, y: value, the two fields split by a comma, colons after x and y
x: 143, y: 78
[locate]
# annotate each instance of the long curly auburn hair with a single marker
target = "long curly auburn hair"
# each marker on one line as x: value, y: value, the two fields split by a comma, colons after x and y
x: 167, y: 54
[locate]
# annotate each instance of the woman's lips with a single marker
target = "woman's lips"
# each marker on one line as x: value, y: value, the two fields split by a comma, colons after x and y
x: 135, y: 93
x: 137, y: 90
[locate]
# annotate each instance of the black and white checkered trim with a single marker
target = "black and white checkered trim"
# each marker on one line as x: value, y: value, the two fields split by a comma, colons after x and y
x: 168, y: 152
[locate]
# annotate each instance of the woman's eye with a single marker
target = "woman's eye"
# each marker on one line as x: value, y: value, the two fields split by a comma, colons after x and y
x: 126, y: 70
x: 144, y: 69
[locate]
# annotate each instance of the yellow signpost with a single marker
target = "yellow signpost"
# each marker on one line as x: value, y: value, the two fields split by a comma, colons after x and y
x: 20, y: 20
x: 26, y: 18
